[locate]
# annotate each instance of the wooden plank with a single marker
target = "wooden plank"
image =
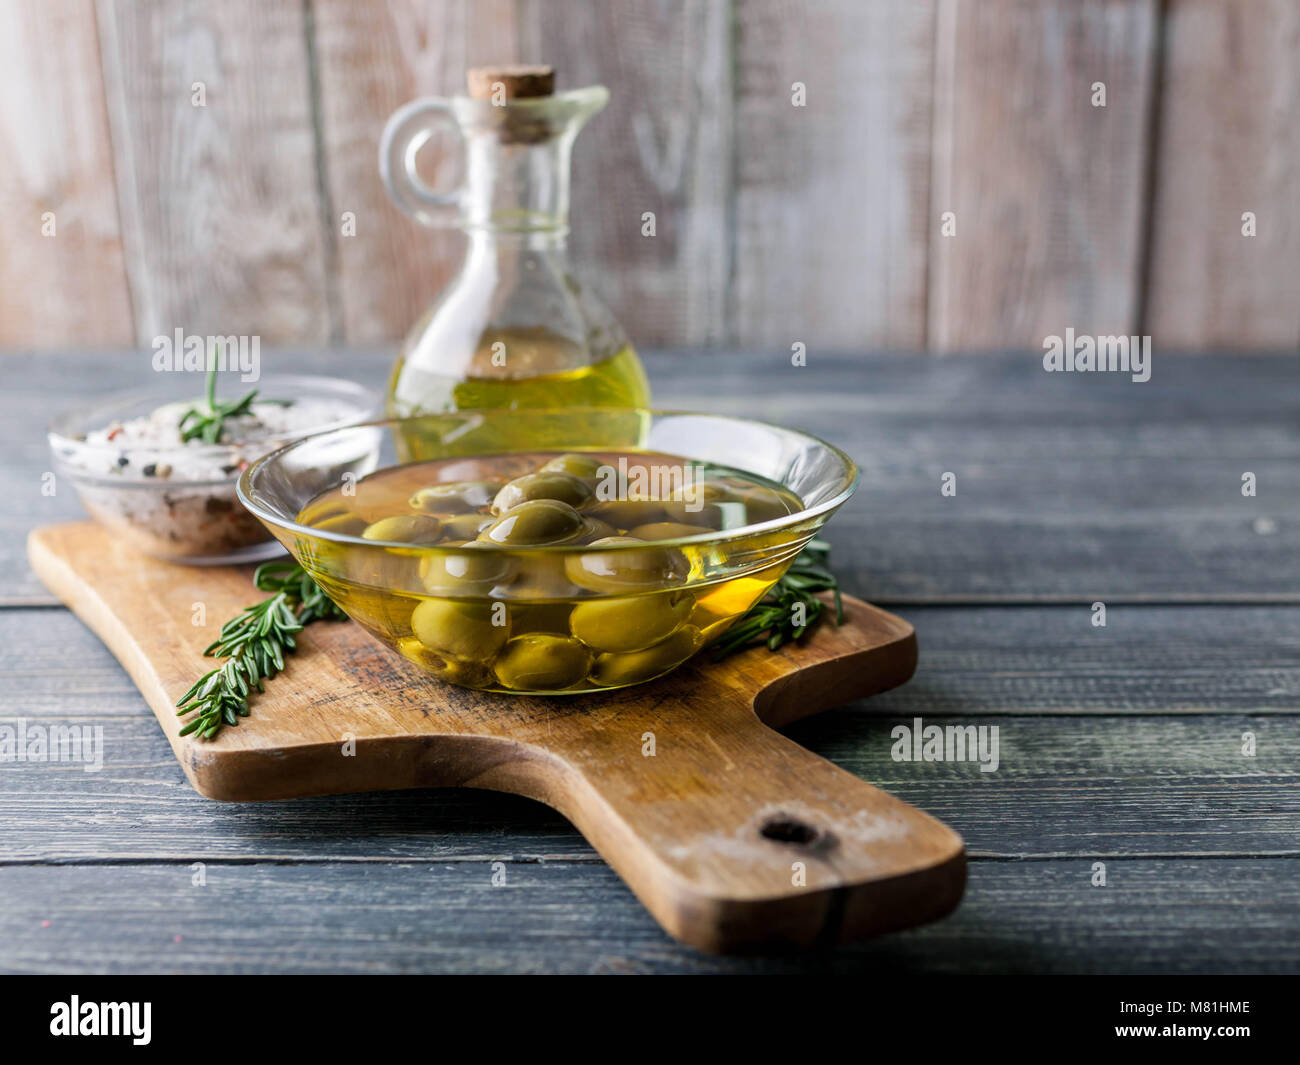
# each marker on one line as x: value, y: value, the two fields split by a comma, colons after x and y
x: 1004, y: 561
x: 1225, y: 399
x: 662, y: 145
x: 896, y: 545
x: 370, y: 60
x: 1121, y: 741
x: 1046, y: 188
x: 221, y: 212
x: 1070, y: 488
x: 1147, y: 660
x: 1125, y: 785
x: 832, y: 198
x: 1185, y: 916
x: 65, y: 285
x: 1065, y: 786
x: 1229, y: 142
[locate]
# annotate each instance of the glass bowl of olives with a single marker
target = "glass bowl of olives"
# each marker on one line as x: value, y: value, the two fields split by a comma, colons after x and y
x: 549, y: 552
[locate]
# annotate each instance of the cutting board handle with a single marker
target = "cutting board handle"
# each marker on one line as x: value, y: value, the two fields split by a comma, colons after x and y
x: 735, y: 837
x: 761, y: 843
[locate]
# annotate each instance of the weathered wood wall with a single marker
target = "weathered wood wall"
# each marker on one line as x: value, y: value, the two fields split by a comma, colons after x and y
x: 775, y: 223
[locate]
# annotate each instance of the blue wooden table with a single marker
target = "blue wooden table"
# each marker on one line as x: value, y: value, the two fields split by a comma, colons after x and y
x: 1144, y: 815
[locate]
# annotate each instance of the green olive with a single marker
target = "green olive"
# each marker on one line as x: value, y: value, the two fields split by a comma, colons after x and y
x: 633, y: 667
x: 540, y: 575
x: 540, y: 617
x: 411, y: 648
x: 329, y: 556
x: 536, y: 523
x: 563, y: 487
x: 464, y: 526
x: 585, y: 466
x: 636, y: 481
x: 754, y: 502
x: 406, y: 529
x: 473, y: 568
x: 542, y: 662
x: 666, y: 530
x: 627, y: 513
x: 704, y: 515
x: 723, y: 491
x: 346, y: 523
x: 463, y: 628
x: 631, y: 623
x: 454, y: 498
x: 445, y: 667
x: 651, y: 568
x: 595, y: 529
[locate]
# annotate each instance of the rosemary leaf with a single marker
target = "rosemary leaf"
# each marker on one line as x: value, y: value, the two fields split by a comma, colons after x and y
x: 254, y: 644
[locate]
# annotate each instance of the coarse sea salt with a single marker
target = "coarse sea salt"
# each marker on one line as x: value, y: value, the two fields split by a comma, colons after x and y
x: 151, y: 446
x: 176, y: 500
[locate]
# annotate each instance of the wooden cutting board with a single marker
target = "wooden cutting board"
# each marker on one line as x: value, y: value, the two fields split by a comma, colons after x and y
x: 734, y: 837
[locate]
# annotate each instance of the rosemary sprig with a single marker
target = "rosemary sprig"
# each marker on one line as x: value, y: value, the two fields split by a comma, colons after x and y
x: 208, y: 425
x: 286, y: 576
x: 254, y: 644
x: 773, y: 618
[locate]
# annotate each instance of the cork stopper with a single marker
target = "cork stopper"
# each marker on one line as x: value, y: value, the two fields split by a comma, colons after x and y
x: 500, y: 85
x: 519, y: 82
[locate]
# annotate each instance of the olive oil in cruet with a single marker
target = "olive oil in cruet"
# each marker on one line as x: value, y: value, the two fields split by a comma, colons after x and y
x: 514, y: 328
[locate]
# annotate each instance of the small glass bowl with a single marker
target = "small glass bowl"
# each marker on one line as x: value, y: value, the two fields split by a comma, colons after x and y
x: 497, y: 613
x: 178, y: 501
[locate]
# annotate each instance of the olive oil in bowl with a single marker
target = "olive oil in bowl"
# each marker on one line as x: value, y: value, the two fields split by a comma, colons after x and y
x: 548, y: 572
x: 590, y: 556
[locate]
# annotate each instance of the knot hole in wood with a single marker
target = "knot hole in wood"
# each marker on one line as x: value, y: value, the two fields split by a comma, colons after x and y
x: 786, y: 828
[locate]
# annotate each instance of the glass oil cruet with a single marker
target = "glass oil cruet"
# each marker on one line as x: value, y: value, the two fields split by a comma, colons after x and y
x: 513, y: 328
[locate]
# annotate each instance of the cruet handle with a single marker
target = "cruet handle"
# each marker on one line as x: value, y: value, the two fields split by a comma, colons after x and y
x: 406, y: 132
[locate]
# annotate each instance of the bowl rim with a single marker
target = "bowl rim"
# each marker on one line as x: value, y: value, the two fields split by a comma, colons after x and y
x: 853, y: 476
x: 57, y: 435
